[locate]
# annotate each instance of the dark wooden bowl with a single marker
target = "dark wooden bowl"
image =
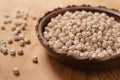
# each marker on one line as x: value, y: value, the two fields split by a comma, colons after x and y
x: 86, y: 64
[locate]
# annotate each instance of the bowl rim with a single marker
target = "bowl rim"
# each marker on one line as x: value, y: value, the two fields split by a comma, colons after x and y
x: 44, y: 42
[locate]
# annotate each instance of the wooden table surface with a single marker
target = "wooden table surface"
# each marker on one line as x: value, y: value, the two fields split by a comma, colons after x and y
x: 46, y: 69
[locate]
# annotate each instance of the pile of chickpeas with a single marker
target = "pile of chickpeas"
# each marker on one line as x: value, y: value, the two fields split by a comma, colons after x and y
x: 17, y: 25
x: 84, y: 34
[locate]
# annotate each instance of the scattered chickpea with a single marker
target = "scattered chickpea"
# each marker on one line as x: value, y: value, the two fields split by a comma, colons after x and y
x: 17, y: 22
x: 2, y: 26
x: 27, y: 41
x: 22, y: 43
x: 12, y: 52
x: 18, y: 29
x: 4, y: 50
x: 20, y: 52
x: 16, y: 32
x: 16, y: 38
x: 7, y: 20
x: 35, y: 59
x: 4, y: 45
x: 2, y: 42
x: 16, y: 72
x: 13, y: 27
x: 23, y: 27
x: 21, y: 37
x: 33, y: 16
x: 9, y: 40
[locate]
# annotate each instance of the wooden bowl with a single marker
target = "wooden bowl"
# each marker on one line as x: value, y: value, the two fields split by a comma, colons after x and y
x: 86, y: 64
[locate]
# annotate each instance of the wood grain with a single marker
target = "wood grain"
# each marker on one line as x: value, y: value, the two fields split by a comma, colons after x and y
x: 46, y: 69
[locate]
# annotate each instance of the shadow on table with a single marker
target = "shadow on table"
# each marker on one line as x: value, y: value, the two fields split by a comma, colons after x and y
x: 67, y: 73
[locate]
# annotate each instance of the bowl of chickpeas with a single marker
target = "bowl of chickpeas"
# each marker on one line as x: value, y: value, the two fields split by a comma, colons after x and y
x: 83, y: 37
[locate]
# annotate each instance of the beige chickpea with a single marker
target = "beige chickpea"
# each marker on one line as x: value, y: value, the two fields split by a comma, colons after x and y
x: 71, y: 35
x: 76, y: 53
x: 69, y: 53
x: 16, y: 72
x: 69, y: 43
x: 72, y: 47
x: 23, y: 27
x: 84, y: 55
x: 2, y: 26
x: 22, y: 43
x: 12, y: 52
x: 73, y: 31
x: 13, y: 27
x: 2, y: 42
x: 99, y: 38
x: 35, y: 59
x: 93, y: 55
x: 4, y: 45
x: 57, y: 44
x: 7, y: 20
x: 17, y: 22
x: 64, y: 48
x: 104, y: 45
x: 78, y: 35
x: 4, y: 50
x: 20, y: 52
x: 16, y: 38
x: 79, y: 47
x: 21, y: 37
x: 110, y: 51
x: 94, y: 40
x: 16, y: 32
x: 99, y: 44
x: 84, y: 34
x: 76, y: 42
x: 26, y: 40
x: 88, y: 33
x: 88, y: 28
x: 9, y: 40
x: 82, y: 40
x: 95, y: 46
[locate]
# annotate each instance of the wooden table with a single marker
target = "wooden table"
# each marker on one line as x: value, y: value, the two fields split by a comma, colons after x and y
x: 46, y: 69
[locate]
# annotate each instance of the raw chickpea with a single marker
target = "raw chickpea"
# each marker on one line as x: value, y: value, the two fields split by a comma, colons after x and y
x: 12, y: 52
x: 35, y: 59
x: 2, y: 26
x: 22, y: 43
x: 9, y: 40
x: 16, y: 72
x: 93, y: 34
